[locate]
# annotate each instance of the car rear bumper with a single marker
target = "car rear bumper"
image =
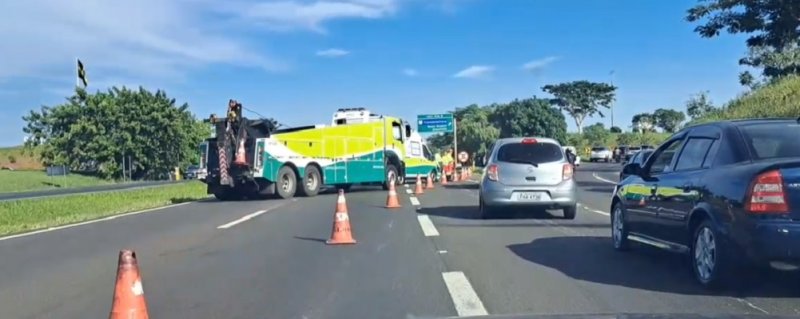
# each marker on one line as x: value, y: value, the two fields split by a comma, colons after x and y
x: 773, y: 241
x: 559, y: 196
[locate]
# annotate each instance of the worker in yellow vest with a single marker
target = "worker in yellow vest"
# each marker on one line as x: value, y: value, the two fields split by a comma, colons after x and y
x: 447, y: 160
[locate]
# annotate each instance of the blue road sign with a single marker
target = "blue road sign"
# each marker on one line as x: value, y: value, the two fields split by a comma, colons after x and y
x: 435, y: 123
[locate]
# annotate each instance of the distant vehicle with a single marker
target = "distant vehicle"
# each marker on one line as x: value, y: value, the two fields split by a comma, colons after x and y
x: 630, y: 151
x: 640, y: 157
x: 574, y: 151
x: 600, y: 154
x: 647, y: 147
x: 195, y: 172
x: 527, y: 172
x: 725, y: 193
x: 620, y: 157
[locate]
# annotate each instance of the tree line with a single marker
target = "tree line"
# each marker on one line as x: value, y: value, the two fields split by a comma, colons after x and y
x: 96, y: 132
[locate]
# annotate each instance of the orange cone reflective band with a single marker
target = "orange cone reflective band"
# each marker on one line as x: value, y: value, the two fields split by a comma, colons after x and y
x: 391, y: 200
x: 341, y: 233
x: 129, y: 300
x: 418, y: 190
x: 430, y: 181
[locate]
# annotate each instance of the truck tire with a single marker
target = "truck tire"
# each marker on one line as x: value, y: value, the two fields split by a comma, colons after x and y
x: 226, y: 195
x: 286, y: 183
x: 391, y: 175
x: 312, y: 181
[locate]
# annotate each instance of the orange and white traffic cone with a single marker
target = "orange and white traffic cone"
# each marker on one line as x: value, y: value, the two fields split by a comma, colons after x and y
x: 444, y: 179
x: 129, y: 300
x: 240, y: 154
x: 392, y: 201
x: 418, y: 190
x: 430, y: 181
x: 341, y: 233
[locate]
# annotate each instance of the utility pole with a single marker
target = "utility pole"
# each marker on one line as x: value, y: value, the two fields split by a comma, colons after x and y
x: 612, y: 102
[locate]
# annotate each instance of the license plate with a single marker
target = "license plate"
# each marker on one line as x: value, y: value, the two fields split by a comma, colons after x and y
x: 529, y: 197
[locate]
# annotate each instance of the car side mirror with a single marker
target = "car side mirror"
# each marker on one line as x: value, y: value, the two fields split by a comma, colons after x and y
x: 632, y: 169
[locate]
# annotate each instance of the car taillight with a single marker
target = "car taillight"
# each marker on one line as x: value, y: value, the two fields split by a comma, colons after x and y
x: 566, y: 171
x: 493, y: 172
x: 766, y: 194
x: 528, y: 141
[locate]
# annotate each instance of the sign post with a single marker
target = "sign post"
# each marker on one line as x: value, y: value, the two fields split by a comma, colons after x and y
x: 439, y: 123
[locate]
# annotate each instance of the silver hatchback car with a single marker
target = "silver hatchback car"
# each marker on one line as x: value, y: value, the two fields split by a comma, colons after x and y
x: 527, y: 172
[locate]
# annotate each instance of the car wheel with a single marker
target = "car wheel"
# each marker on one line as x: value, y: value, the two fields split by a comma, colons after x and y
x: 312, y: 181
x: 287, y: 182
x: 712, y: 262
x: 391, y: 176
x: 484, y: 211
x: 619, y: 231
x: 570, y: 211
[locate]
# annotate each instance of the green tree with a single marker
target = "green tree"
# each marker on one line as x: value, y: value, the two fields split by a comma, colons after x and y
x: 475, y: 132
x: 581, y: 99
x: 596, y: 134
x: 529, y: 117
x: 92, y: 132
x: 669, y: 120
x: 699, y: 105
x: 643, y: 122
x: 615, y: 129
x: 773, y: 26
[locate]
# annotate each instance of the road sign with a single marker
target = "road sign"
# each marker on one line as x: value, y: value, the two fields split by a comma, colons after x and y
x: 435, y: 123
x: 463, y: 157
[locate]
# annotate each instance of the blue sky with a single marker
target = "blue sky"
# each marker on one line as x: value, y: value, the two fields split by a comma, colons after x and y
x: 299, y: 60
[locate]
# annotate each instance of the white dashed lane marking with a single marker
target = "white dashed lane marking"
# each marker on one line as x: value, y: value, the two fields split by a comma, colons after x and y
x: 464, y: 297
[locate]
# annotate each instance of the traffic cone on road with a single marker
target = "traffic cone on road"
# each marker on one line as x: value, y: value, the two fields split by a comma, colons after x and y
x: 430, y: 182
x: 341, y: 233
x: 392, y: 201
x: 129, y: 300
x: 418, y: 190
x: 444, y: 179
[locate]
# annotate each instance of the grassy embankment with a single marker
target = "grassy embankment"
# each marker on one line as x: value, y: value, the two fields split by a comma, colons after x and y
x: 29, y: 174
x: 779, y: 99
x: 30, y: 214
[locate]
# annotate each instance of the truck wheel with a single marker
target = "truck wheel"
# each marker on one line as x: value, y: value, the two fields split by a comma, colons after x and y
x: 286, y: 183
x: 391, y: 176
x: 311, y: 182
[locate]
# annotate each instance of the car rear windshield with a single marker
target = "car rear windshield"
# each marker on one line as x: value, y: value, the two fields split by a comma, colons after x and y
x: 598, y: 149
x: 530, y: 153
x: 772, y: 140
x: 633, y: 148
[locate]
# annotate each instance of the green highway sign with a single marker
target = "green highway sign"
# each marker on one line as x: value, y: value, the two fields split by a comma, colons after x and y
x: 435, y: 123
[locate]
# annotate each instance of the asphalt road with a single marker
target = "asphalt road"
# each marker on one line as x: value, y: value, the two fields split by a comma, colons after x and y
x: 267, y: 259
x: 79, y: 190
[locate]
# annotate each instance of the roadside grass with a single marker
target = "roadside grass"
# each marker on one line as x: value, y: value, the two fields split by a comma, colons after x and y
x: 21, y: 181
x: 17, y: 158
x: 31, y: 214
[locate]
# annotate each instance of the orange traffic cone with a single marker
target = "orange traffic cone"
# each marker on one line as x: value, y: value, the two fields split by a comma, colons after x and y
x: 129, y: 300
x: 444, y: 178
x: 391, y: 200
x: 341, y: 233
x: 418, y: 190
x: 240, y: 157
x: 430, y: 181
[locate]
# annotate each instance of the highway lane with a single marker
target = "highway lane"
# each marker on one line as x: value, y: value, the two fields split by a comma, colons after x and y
x: 81, y: 190
x: 273, y: 265
x: 537, y: 262
x: 432, y: 259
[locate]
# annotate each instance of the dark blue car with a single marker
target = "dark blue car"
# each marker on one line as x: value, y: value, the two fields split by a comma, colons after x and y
x: 726, y: 193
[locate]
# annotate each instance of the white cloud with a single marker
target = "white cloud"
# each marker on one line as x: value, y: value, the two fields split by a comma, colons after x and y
x: 539, y: 64
x: 332, y: 53
x: 410, y: 72
x: 474, y: 72
x: 289, y: 15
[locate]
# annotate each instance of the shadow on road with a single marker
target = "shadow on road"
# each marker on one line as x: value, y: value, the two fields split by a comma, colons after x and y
x: 472, y: 212
x: 643, y: 268
x: 320, y: 240
x: 461, y: 186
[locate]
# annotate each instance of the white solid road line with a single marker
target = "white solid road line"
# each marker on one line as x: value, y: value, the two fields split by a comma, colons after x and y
x: 603, y: 179
x: 242, y: 220
x: 414, y: 201
x: 464, y: 297
x: 427, y: 225
x: 91, y: 221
